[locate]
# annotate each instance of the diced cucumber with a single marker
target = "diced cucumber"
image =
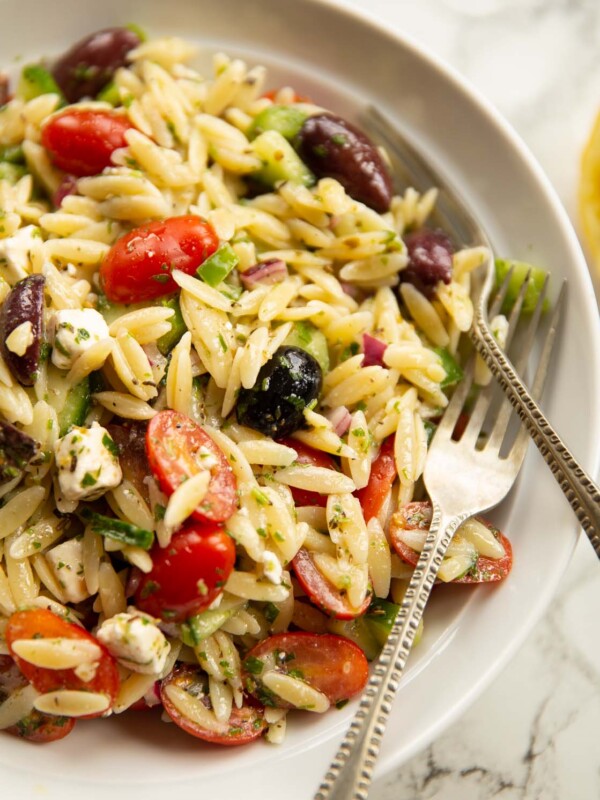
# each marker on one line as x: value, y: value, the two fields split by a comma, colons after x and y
x: 12, y: 153
x: 75, y: 407
x: 454, y: 373
x: 11, y: 172
x: 359, y: 632
x: 109, y: 94
x: 139, y: 32
x: 286, y: 120
x: 203, y: 625
x: 380, y: 618
x: 35, y: 80
x: 117, y: 529
x: 218, y: 266
x: 280, y: 161
x: 520, y: 270
x: 311, y: 339
x: 178, y: 327
x: 112, y: 311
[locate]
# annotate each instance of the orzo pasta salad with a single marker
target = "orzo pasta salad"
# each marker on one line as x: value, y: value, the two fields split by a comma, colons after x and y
x: 224, y: 346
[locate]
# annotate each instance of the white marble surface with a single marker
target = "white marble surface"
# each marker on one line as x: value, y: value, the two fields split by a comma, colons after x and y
x: 533, y: 735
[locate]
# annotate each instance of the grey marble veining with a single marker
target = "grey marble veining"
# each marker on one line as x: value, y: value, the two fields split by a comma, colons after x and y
x: 535, y: 733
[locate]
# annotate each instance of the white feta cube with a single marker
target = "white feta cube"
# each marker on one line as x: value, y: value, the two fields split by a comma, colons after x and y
x: 272, y: 569
x: 15, y: 250
x: 135, y: 641
x: 66, y: 562
x: 88, y: 463
x: 74, y: 331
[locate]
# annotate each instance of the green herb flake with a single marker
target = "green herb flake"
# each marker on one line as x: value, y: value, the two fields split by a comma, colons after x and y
x: 253, y: 665
x: 110, y: 445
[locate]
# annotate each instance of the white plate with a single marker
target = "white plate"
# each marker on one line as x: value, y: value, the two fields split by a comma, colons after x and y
x: 345, y: 61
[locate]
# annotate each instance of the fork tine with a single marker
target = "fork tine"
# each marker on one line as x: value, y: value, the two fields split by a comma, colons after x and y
x: 484, y: 400
x: 520, y: 444
x: 505, y: 410
x: 496, y: 305
x: 517, y: 452
x: 454, y: 408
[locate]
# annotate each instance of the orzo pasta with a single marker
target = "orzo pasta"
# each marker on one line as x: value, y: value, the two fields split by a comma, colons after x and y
x: 224, y: 344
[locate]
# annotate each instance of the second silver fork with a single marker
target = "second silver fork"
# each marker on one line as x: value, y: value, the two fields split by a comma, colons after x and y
x: 462, y: 480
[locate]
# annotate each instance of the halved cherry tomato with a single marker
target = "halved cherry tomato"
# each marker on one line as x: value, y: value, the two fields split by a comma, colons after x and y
x: 40, y: 623
x: 323, y: 594
x: 316, y: 458
x: 82, y: 141
x: 41, y: 728
x: 178, y: 449
x: 35, y: 726
x: 138, y: 266
x: 329, y: 663
x: 244, y: 725
x: 417, y: 516
x: 383, y: 475
x: 188, y: 574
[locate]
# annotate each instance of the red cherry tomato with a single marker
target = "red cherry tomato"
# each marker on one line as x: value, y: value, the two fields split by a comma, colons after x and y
x: 41, y: 728
x: 35, y: 726
x: 307, y: 455
x: 188, y: 574
x: 177, y: 449
x: 81, y: 141
x: 327, y: 662
x: 244, y: 725
x: 323, y: 594
x: 383, y: 475
x: 138, y: 266
x: 41, y: 623
x: 417, y: 516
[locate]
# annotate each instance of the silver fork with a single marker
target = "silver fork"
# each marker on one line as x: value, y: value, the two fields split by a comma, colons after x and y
x: 481, y: 477
x: 488, y: 478
x: 578, y: 487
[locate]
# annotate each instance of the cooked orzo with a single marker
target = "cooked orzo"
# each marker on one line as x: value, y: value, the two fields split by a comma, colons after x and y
x: 225, y: 343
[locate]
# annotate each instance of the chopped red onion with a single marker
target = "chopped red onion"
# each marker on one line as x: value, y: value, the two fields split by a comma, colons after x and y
x: 373, y: 349
x: 340, y: 418
x: 265, y: 273
x: 152, y: 696
x: 133, y: 581
x: 355, y: 292
x: 68, y: 185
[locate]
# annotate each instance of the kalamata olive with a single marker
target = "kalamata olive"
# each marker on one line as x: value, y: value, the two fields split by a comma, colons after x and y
x: 334, y: 148
x: 285, y: 386
x: 429, y: 259
x: 4, y: 89
x: 130, y: 438
x: 91, y: 63
x: 24, y: 303
x: 17, y: 449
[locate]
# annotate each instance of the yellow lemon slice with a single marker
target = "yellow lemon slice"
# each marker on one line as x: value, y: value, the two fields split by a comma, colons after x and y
x: 589, y: 193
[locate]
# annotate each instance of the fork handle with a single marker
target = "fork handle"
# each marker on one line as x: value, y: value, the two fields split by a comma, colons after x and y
x: 351, y: 771
x: 579, y: 489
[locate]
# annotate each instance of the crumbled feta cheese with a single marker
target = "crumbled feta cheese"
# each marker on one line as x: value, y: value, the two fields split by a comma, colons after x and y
x: 75, y: 331
x: 88, y: 463
x: 271, y: 567
x: 15, y: 250
x: 135, y: 641
x: 66, y: 562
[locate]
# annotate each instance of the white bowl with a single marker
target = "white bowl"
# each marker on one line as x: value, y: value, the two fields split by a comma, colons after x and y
x: 345, y: 61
